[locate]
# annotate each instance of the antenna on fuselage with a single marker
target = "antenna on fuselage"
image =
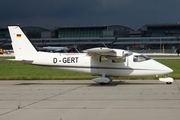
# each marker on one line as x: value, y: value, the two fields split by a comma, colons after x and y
x: 75, y: 47
x: 104, y: 44
x: 112, y: 44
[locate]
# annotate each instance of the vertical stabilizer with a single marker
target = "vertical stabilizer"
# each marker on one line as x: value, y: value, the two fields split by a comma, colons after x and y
x: 23, y: 48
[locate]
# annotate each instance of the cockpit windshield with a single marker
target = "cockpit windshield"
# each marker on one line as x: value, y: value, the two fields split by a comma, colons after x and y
x: 140, y: 58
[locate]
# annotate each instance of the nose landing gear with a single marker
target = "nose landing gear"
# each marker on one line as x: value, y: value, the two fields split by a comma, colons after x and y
x: 167, y: 80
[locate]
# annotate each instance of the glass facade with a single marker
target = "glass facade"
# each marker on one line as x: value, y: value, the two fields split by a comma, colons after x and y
x: 4, y: 33
x: 80, y: 32
x: 162, y: 30
x: 37, y: 32
x: 93, y: 31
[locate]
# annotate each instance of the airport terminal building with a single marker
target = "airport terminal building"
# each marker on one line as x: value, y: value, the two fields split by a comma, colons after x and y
x: 148, y: 38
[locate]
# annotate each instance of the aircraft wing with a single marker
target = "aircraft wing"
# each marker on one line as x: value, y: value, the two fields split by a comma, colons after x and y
x: 100, y: 51
x: 109, y: 53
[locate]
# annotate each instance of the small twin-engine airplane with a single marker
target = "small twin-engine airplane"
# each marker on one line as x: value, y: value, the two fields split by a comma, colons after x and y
x: 104, y: 62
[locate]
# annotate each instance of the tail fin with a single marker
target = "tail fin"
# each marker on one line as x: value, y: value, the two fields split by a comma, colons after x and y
x: 23, y: 48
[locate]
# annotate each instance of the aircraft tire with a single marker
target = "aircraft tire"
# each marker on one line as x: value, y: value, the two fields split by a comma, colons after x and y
x: 168, y: 82
x: 102, y: 83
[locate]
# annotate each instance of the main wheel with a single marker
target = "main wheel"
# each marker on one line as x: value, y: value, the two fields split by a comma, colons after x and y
x: 102, y: 83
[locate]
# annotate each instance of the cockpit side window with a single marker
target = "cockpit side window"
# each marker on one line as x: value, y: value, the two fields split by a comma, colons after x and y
x: 140, y: 58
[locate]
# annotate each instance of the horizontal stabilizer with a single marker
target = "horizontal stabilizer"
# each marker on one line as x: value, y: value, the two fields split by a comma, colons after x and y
x: 24, y: 61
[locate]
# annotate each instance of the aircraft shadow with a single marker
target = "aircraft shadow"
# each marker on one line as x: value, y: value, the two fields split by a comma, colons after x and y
x: 53, y: 84
x: 113, y: 83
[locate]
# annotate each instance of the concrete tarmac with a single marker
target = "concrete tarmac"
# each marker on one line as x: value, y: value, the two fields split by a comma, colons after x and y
x: 86, y: 100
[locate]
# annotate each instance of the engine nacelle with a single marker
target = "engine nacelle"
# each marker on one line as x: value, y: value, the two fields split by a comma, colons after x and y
x: 121, y: 54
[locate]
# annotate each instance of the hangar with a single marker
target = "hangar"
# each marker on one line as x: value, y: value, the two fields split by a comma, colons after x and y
x: 157, y: 37
x: 93, y: 31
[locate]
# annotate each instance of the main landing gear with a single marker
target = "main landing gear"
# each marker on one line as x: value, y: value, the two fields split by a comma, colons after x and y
x: 102, y: 80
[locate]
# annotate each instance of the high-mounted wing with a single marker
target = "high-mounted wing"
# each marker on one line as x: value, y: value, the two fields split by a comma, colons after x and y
x: 109, y: 53
x: 100, y: 51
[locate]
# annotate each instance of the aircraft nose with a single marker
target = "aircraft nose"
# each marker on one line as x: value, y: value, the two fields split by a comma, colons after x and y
x: 163, y: 68
x: 169, y: 70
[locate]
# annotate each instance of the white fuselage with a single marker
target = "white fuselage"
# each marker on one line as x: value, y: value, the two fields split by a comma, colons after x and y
x: 82, y: 62
x: 105, y: 62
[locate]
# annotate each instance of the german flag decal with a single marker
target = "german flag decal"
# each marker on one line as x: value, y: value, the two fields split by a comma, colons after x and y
x: 18, y: 35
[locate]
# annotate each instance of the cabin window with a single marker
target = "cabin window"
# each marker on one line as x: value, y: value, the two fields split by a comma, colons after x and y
x: 140, y: 58
x: 105, y: 59
x: 119, y: 60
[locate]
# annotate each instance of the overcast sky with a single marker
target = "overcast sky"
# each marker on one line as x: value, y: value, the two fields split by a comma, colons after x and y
x: 57, y: 13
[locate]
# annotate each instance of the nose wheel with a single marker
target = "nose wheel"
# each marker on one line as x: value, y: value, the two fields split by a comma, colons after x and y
x: 167, y: 80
